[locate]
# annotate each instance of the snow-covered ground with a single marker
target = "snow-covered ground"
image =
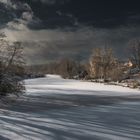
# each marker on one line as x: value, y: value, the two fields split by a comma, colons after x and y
x: 57, y: 109
x: 56, y: 85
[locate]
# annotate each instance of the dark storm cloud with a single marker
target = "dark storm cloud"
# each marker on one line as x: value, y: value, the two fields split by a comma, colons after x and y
x: 16, y: 14
x: 71, y: 13
x: 96, y: 13
x: 52, y: 29
x: 51, y: 2
x: 6, y: 14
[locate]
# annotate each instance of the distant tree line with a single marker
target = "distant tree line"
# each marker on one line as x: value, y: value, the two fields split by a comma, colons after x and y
x: 103, y: 65
x: 66, y: 67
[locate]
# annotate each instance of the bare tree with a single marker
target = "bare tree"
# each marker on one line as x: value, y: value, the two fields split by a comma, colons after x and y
x: 67, y: 68
x: 95, y: 63
x: 102, y: 62
x: 11, y: 67
x: 134, y: 49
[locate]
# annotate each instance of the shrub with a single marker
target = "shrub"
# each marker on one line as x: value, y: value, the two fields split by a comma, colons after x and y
x: 11, y: 68
x: 10, y: 84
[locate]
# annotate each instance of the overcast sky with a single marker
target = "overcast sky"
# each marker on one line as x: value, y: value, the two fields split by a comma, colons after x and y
x: 53, y: 29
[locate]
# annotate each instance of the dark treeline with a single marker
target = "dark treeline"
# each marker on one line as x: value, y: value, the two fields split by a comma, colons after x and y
x: 67, y: 68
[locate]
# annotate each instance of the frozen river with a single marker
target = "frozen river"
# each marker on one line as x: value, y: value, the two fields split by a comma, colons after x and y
x: 57, y: 109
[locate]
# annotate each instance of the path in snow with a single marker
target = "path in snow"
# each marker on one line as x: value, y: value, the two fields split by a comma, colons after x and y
x: 58, y: 109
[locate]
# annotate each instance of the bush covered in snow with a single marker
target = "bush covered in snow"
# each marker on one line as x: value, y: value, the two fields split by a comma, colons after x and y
x: 10, y: 84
